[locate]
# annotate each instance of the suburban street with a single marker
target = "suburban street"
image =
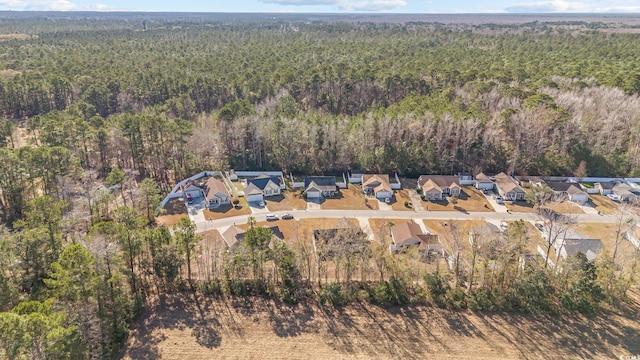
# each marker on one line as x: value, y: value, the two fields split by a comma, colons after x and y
x: 391, y: 214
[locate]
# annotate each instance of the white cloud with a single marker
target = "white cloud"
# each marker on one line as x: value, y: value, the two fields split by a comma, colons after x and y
x: 50, y: 5
x: 564, y: 6
x: 348, y: 5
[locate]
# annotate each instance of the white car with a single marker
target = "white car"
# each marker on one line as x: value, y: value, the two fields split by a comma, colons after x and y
x: 272, y: 217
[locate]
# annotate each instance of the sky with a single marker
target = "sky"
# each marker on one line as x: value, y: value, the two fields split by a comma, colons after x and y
x: 332, y: 6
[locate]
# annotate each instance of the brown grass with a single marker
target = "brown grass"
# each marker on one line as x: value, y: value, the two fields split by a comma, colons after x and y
x: 565, y: 207
x: 470, y: 200
x: 170, y: 220
x: 5, y: 37
x: 351, y: 198
x: 399, y: 198
x: 520, y: 206
x: 196, y: 327
x: 603, y: 204
x: 225, y: 211
x: 287, y: 201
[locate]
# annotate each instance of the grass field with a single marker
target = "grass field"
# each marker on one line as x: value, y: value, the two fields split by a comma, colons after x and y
x: 603, y: 204
x: 350, y: 198
x: 470, y: 200
x: 225, y: 211
x: 197, y: 328
x: 400, y: 197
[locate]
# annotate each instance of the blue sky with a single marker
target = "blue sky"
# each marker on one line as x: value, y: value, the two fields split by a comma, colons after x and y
x: 333, y: 6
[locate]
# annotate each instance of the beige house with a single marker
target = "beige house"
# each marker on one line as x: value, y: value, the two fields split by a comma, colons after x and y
x: 436, y: 187
x: 378, y: 185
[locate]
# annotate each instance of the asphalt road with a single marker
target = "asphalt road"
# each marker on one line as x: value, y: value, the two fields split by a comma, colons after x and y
x: 392, y: 214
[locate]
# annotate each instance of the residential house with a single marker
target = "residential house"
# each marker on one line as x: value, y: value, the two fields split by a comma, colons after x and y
x: 318, y: 187
x: 465, y: 178
x: 377, y: 185
x: 410, y: 234
x: 213, y: 191
x: 626, y: 192
x: 605, y: 188
x: 508, y: 188
x: 436, y: 187
x: 570, y: 246
x: 485, y: 182
x: 262, y: 186
x: 355, y: 176
x: 570, y: 191
x: 235, y: 234
x: 530, y: 181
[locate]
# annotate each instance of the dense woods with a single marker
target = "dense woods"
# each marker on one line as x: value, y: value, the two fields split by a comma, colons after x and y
x: 98, y: 118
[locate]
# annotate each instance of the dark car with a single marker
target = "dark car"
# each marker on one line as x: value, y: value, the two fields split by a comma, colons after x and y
x: 286, y: 217
x: 539, y: 227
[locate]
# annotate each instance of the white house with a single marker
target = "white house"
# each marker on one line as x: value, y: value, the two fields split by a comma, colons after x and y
x: 484, y: 182
x: 318, y: 187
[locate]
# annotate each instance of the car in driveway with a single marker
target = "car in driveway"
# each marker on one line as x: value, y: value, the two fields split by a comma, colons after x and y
x: 499, y: 200
x: 287, y: 217
x: 272, y: 217
x: 539, y: 226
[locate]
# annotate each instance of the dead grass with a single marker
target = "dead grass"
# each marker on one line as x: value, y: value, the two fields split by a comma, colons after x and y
x: 350, y: 198
x: 170, y: 220
x: 565, y: 207
x: 5, y: 37
x: 197, y: 327
x: 520, y: 206
x: 287, y: 201
x: 225, y: 211
x: 441, y: 227
x: 603, y: 204
x: 399, y: 199
x: 470, y: 200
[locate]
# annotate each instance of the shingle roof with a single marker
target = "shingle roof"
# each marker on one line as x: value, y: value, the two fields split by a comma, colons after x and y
x: 590, y: 247
x: 606, y: 185
x: 322, y: 183
x: 443, y: 181
x: 261, y: 181
x: 559, y: 186
x: 214, y: 186
x: 378, y: 181
x: 507, y: 184
x: 234, y: 234
x: 411, y: 230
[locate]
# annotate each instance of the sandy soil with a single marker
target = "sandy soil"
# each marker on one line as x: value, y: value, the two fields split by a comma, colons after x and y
x: 207, y: 328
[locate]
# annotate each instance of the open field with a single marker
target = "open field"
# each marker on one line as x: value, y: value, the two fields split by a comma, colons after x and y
x: 470, y: 200
x: 399, y: 198
x: 350, y: 198
x: 287, y: 201
x: 603, y: 204
x: 196, y: 327
x: 224, y: 211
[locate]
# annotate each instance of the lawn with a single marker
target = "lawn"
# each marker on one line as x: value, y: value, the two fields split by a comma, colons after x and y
x: 470, y: 200
x: 172, y: 212
x: 351, y: 198
x: 520, y: 206
x: 603, y: 204
x: 398, y: 200
x: 225, y: 211
x: 565, y: 207
x: 289, y: 200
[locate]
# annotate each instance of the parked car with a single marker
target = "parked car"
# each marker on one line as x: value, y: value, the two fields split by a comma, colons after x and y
x: 539, y: 227
x: 387, y: 201
x: 287, y: 217
x: 614, y: 197
x: 499, y: 200
x: 272, y: 217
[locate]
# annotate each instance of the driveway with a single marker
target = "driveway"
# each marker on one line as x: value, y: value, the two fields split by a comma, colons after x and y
x: 256, y: 208
x: 313, y: 204
x: 383, y: 205
x: 366, y: 227
x: 588, y: 209
x: 416, y: 201
x: 195, y: 212
x: 497, y: 207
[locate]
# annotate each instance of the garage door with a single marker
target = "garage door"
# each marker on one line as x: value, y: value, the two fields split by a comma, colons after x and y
x: 313, y: 194
x: 383, y: 195
x: 255, y: 198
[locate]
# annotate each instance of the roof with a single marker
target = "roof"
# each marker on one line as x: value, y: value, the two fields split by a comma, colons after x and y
x: 625, y: 190
x: 590, y: 247
x: 252, y: 189
x: 262, y: 181
x: 234, y: 234
x: 411, y: 230
x: 443, y: 181
x: 507, y: 184
x: 430, y: 185
x: 214, y: 186
x: 482, y: 177
x: 380, y: 182
x: 322, y: 183
x: 574, y: 189
x: 559, y: 186
x: 606, y: 185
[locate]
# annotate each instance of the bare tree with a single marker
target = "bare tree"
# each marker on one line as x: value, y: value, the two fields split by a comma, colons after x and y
x: 626, y: 219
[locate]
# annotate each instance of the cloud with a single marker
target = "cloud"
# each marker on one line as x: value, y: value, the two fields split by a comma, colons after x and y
x: 563, y: 6
x: 50, y: 5
x: 347, y: 5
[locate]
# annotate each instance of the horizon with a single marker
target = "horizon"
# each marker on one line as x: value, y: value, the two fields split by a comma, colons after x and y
x: 414, y: 7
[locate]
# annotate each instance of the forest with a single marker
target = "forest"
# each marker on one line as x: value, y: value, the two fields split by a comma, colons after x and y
x: 101, y: 116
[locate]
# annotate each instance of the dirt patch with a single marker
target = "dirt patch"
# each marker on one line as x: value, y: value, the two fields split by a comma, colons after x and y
x: 351, y: 198
x: 225, y: 211
x: 196, y: 327
x: 399, y: 199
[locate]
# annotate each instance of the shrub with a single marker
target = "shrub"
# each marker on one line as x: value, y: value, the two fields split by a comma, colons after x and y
x: 333, y: 294
x: 407, y: 204
x: 390, y: 293
x: 437, y: 288
x: 237, y: 287
x: 213, y: 287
